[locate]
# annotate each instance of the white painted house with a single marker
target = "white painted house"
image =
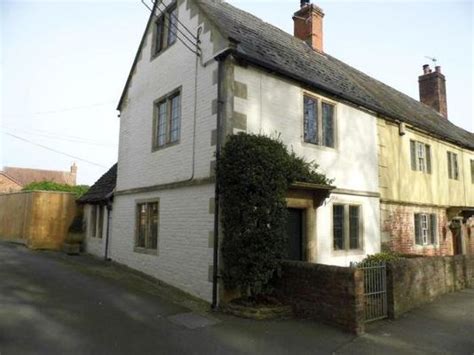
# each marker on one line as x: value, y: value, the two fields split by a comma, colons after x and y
x: 204, y: 70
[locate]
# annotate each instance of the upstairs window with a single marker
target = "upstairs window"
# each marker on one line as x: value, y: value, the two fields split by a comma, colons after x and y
x: 346, y: 227
x: 420, y: 156
x: 426, y: 229
x: 167, y: 121
x: 472, y: 171
x: 166, y: 30
x: 318, y: 122
x: 453, y: 169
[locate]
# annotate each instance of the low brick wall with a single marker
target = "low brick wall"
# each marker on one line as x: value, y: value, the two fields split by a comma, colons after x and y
x: 416, y: 281
x: 331, y: 294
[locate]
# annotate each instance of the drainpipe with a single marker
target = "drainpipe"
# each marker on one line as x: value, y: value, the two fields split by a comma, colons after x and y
x: 107, y: 233
x: 220, y: 115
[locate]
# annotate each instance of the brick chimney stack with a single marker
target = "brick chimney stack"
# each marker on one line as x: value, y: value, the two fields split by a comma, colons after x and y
x: 308, y: 25
x: 433, y: 89
x: 73, y: 173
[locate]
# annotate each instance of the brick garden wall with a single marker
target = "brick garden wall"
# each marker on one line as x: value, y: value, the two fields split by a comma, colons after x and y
x: 398, y: 230
x: 327, y: 293
x: 416, y: 281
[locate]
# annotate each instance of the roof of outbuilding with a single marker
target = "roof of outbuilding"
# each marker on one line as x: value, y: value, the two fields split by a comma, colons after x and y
x: 267, y: 46
x: 102, y: 189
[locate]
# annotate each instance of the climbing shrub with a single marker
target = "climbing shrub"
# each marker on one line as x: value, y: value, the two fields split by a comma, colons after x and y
x: 253, y: 176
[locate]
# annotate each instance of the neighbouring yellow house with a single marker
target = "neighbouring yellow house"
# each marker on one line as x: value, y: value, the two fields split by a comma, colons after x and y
x: 426, y: 176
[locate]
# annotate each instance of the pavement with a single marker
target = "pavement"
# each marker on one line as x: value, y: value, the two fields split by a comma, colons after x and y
x: 51, y: 303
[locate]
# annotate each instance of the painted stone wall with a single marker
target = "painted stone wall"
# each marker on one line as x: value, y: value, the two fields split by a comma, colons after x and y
x: 416, y: 281
x: 398, y: 230
x: 332, y: 294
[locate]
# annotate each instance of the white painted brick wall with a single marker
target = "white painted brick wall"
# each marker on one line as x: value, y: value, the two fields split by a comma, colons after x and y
x: 184, y: 220
x: 184, y: 255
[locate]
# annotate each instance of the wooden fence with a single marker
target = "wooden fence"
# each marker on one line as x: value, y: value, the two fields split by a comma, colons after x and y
x: 38, y: 219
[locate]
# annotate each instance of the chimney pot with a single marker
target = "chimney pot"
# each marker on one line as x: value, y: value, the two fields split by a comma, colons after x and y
x: 426, y: 69
x: 438, y: 69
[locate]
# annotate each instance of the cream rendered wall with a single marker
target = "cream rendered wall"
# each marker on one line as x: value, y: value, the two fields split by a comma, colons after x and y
x: 274, y: 107
x: 398, y: 182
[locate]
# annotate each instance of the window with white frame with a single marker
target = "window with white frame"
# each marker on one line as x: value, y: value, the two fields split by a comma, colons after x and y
x: 96, y: 221
x: 346, y: 227
x: 426, y: 229
x: 319, y: 122
x: 146, y: 236
x: 420, y: 156
x: 167, y: 120
x: 453, y: 168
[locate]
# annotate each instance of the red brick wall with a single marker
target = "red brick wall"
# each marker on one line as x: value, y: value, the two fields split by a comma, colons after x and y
x: 468, y: 233
x: 7, y: 185
x: 332, y: 294
x: 398, y: 230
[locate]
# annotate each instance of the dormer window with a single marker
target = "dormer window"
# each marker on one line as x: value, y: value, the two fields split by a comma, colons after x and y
x: 165, y: 31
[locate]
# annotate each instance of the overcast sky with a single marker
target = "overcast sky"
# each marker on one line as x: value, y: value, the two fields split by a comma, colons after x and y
x: 64, y: 64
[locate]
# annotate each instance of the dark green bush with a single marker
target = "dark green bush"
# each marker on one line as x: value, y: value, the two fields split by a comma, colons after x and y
x: 253, y: 176
x: 78, y: 190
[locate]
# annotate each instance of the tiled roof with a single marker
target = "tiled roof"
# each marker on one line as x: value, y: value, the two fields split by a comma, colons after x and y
x: 25, y: 176
x: 267, y: 46
x: 102, y: 189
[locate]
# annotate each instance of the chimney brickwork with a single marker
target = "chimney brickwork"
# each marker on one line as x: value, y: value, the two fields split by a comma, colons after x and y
x: 308, y: 25
x: 432, y: 86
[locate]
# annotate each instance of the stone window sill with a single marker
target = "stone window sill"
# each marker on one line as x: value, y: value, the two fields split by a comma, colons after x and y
x: 145, y: 251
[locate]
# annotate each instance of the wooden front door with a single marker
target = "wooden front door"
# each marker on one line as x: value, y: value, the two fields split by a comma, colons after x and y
x: 456, y: 230
x: 294, y: 230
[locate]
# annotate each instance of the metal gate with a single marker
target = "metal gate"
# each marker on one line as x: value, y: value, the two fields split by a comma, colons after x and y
x: 375, y: 289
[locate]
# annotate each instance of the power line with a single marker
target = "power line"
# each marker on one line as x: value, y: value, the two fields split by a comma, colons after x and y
x: 54, y: 150
x: 62, y: 137
x: 60, y: 110
x: 177, y: 29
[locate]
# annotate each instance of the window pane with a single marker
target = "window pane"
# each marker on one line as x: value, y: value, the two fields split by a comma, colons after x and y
x: 93, y: 219
x: 310, y: 120
x: 175, y: 118
x: 153, y: 225
x: 173, y: 26
x: 328, y: 125
x: 161, y: 126
x: 159, y: 35
x: 424, y: 228
x: 418, y: 230
x: 455, y: 166
x: 101, y: 221
x: 413, y: 154
x: 141, y: 225
x: 472, y: 171
x: 338, y: 227
x: 420, y: 153
x: 450, y: 172
x: 353, y: 227
x: 433, y: 228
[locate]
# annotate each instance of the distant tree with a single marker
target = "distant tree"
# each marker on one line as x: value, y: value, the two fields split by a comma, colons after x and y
x: 78, y: 190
